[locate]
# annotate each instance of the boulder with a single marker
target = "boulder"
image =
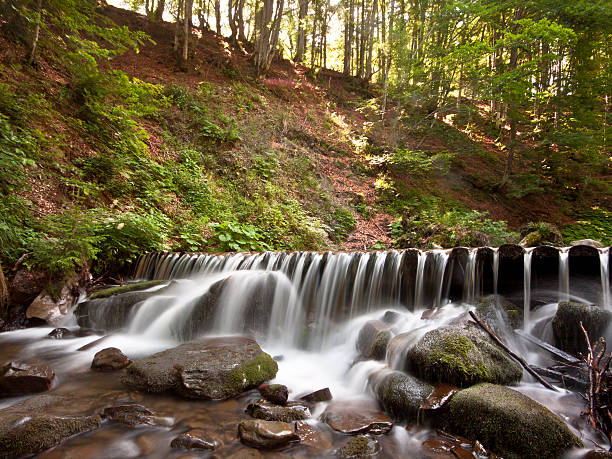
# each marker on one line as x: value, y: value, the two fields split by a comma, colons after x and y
x: 54, y: 307
x: 566, y: 326
x: 26, y: 285
x: 509, y: 423
x: 311, y: 437
x: 399, y: 394
x: 274, y: 393
x: 133, y: 287
x: 461, y: 355
x: 266, y: 434
x: 20, y: 378
x: 500, y: 313
x: 541, y: 233
x: 110, y: 359
x: 359, y: 447
x: 357, y: 417
x: 291, y: 411
x: 321, y: 395
x: 211, y: 368
x: 373, y: 339
x: 59, y: 333
x: 132, y: 414
x: 196, y: 439
x: 391, y: 317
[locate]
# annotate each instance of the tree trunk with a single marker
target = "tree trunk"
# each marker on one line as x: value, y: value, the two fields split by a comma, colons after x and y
x: 32, y: 52
x: 239, y: 17
x: 268, y: 23
x: 4, y: 295
x: 177, y: 27
x: 159, y: 12
x: 186, y: 24
x: 348, y: 37
x: 218, y: 16
x: 301, y: 35
x: 373, y: 16
x: 387, y: 61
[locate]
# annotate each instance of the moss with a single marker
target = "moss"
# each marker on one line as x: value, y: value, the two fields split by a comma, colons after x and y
x: 360, y: 446
x: 125, y: 288
x: 252, y: 373
x: 509, y: 423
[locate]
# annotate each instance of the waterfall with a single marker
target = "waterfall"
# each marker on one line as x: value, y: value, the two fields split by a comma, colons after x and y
x: 469, y: 284
x: 420, y: 274
x: 564, y: 292
x: 441, y: 262
x: 604, y: 259
x: 527, y: 286
x: 495, y: 270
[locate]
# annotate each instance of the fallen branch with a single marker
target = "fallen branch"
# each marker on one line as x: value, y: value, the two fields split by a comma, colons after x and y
x: 515, y: 356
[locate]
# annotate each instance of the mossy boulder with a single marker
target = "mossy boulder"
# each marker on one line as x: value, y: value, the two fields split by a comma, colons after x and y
x: 291, y: 411
x: 210, y: 369
x: 541, y: 233
x: 373, y: 339
x: 360, y: 446
x: 509, y: 423
x: 461, y: 355
x: 133, y: 287
x: 399, y: 394
x: 274, y: 393
x: 566, y: 325
x: 499, y: 312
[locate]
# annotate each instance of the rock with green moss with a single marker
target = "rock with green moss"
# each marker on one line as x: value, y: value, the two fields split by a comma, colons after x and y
x: 291, y: 411
x: 29, y: 427
x: 509, y: 423
x: 360, y: 446
x: 399, y: 394
x: 211, y: 369
x: 461, y: 355
x: 540, y: 233
x: 566, y: 325
x: 500, y: 313
x: 373, y: 339
x: 133, y: 287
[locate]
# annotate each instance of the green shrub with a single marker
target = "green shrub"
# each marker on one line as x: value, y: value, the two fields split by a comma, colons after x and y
x: 595, y: 223
x: 237, y: 237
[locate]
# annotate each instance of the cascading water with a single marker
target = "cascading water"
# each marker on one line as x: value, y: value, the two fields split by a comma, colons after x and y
x: 527, y: 287
x: 469, y: 286
x: 420, y: 274
x: 564, y: 292
x: 604, y: 259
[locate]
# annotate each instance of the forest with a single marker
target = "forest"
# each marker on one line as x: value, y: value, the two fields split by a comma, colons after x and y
x: 310, y: 125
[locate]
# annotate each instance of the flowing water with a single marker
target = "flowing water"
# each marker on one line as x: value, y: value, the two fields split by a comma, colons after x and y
x: 305, y: 308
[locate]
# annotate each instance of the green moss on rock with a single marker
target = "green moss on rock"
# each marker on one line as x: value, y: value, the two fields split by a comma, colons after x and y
x: 108, y: 292
x: 566, y: 325
x: 461, y: 356
x: 509, y: 423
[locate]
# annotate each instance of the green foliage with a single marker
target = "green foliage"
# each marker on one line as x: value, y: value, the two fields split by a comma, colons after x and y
x: 594, y: 224
x: 265, y: 165
x: 237, y: 237
x: 342, y: 224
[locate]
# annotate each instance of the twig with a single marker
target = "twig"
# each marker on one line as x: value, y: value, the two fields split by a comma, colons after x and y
x: 517, y: 357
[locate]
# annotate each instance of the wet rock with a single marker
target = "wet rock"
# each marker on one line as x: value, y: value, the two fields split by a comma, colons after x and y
x: 566, y: 325
x: 391, y: 317
x: 589, y: 242
x: 373, y: 339
x: 26, y: 285
x: 399, y: 394
x: 266, y: 434
x: 321, y: 395
x: 356, y: 417
x: 54, y: 307
x: 196, y: 439
x: 210, y: 369
x: 110, y: 359
x: 501, y: 314
x: 461, y: 356
x: 509, y: 423
x: 20, y: 378
x: 60, y: 333
x: 360, y: 446
x: 132, y: 414
x: 311, y: 437
x: 118, y: 290
x: 291, y: 411
x: 274, y: 393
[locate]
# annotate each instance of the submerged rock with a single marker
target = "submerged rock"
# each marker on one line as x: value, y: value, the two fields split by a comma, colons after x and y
x: 509, y: 423
x: 311, y: 437
x: 566, y: 326
x: 399, y: 394
x: 360, y: 446
x: 110, y: 359
x: 373, y: 339
x: 461, y: 356
x: 59, y: 333
x: 210, y: 369
x: 196, y: 439
x: 291, y: 411
x: 132, y: 414
x: 274, y: 393
x: 355, y: 418
x: 266, y: 434
x: 20, y: 378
